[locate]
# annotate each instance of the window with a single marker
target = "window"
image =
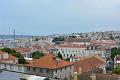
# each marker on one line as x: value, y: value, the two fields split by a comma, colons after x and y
x: 19, y: 68
x: 40, y: 70
x: 64, y: 55
x: 14, y: 61
x: 70, y: 67
x: 66, y: 50
x: 56, y: 70
x: 34, y: 69
x: 67, y: 55
x: 11, y: 67
x: 65, y: 68
x: 28, y: 68
x: 48, y: 71
x: 69, y: 50
x: 73, y: 50
x: 71, y: 56
x: 60, y: 69
x: 74, y: 55
x: 5, y: 66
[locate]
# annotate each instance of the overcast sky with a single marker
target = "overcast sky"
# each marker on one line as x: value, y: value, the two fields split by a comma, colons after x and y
x: 43, y: 17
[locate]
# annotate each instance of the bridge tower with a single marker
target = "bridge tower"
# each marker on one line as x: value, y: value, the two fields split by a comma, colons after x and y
x: 14, y: 34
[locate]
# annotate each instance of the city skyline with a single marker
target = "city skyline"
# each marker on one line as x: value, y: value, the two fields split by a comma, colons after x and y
x: 36, y: 17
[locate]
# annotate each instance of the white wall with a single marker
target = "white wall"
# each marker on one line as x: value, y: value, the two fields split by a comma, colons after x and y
x: 12, y: 67
x: 65, y: 72
x: 67, y: 52
x: 5, y: 55
x: 61, y: 72
x: 38, y: 72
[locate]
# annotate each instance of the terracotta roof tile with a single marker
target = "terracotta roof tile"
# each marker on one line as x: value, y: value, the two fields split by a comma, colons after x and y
x: 88, y: 64
x: 86, y: 76
x: 1, y: 52
x: 49, y: 61
x: 23, y: 50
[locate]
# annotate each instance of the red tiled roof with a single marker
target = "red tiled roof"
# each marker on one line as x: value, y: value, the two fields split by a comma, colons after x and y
x: 11, y: 57
x: 1, y: 52
x: 23, y: 50
x: 49, y: 61
x: 84, y: 65
x: 86, y: 76
x: 104, y: 42
x: 95, y: 61
x: 36, y: 46
x: 88, y: 64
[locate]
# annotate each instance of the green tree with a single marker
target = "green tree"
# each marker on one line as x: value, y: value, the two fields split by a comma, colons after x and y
x: 114, y: 52
x: 57, y: 40
x: 8, y: 50
x: 111, y: 37
x: 117, y: 70
x: 118, y: 51
x: 36, y: 39
x: 21, y: 59
x: 18, y: 55
x: 65, y: 79
x: 68, y: 59
x: 37, y: 55
x: 60, y: 56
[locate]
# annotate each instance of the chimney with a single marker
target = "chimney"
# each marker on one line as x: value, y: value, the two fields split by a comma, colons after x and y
x: 104, y: 71
x: 75, y: 75
x: 93, y: 77
x: 58, y: 60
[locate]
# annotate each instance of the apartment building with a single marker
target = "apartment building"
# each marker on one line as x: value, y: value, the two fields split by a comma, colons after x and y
x: 75, y: 51
x: 50, y: 66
